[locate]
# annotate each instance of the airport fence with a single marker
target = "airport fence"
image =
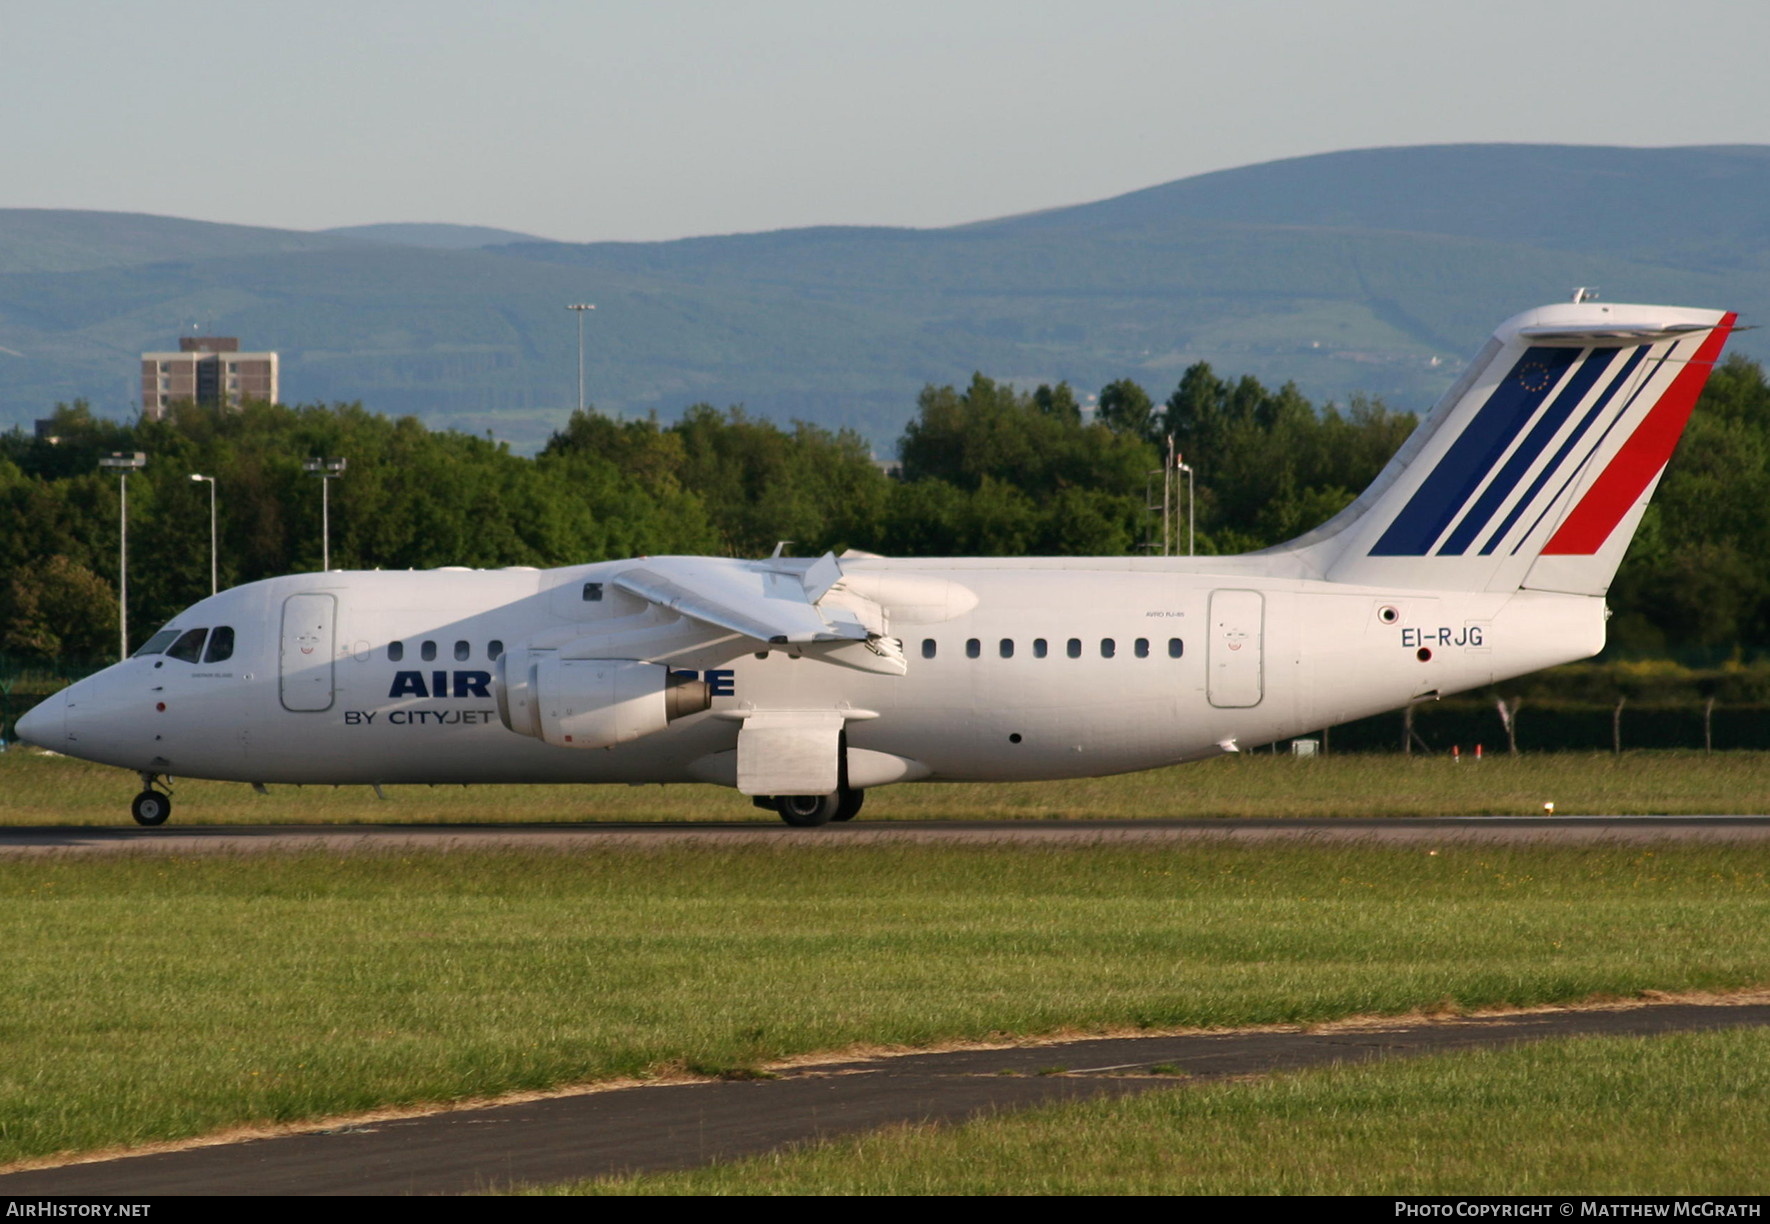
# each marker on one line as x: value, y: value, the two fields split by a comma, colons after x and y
x: 26, y: 681
x: 1543, y: 725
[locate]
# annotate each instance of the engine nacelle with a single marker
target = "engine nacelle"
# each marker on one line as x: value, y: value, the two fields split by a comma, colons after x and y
x: 591, y: 703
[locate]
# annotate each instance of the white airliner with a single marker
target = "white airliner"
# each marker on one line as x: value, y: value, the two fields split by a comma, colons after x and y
x: 1483, y: 551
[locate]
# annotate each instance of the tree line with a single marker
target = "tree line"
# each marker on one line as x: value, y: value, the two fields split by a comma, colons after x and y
x: 986, y: 470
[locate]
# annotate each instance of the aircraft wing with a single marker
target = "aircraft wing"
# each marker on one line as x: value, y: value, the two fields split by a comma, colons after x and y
x: 771, y: 605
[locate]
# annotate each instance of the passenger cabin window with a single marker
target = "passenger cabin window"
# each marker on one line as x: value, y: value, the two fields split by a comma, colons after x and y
x: 927, y: 648
x: 427, y: 652
x: 1007, y: 648
x: 221, y: 645
x: 494, y: 650
x: 1176, y: 648
x: 462, y: 652
x: 396, y: 651
x: 1108, y: 648
x: 592, y: 592
x: 1142, y: 648
x: 1040, y: 648
x: 1075, y: 648
x: 973, y: 648
x: 158, y: 643
x: 189, y: 648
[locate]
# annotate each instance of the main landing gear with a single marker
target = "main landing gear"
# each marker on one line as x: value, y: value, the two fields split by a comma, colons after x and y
x: 809, y: 811
x: 152, y: 806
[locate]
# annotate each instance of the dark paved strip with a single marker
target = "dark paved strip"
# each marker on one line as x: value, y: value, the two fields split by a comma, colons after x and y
x: 196, y: 839
x: 682, y: 1126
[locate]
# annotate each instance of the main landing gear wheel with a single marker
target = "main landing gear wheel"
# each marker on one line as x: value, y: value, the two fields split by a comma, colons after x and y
x: 151, y: 808
x: 807, y: 811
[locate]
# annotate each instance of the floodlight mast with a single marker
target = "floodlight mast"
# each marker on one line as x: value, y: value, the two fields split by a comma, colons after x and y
x: 1180, y: 466
x: 327, y: 470
x: 123, y: 463
x: 579, y: 308
x: 214, y: 586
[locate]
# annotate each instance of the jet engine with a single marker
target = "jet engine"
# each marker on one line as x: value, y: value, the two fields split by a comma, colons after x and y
x: 591, y: 703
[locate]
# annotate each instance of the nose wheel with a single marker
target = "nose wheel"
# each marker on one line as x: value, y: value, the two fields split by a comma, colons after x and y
x: 151, y: 807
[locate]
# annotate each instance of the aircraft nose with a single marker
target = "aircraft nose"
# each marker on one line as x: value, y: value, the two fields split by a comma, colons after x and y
x: 45, y: 724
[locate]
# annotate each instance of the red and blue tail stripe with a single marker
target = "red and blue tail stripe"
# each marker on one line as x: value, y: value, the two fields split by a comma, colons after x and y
x: 1642, y: 457
x: 1475, y: 481
x: 1559, y: 462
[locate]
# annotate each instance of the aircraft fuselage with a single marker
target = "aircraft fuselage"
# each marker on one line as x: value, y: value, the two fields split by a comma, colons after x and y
x: 1060, y: 669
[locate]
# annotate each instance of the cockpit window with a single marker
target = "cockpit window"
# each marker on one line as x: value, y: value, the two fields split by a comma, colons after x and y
x: 188, y: 648
x: 158, y: 643
x: 221, y: 645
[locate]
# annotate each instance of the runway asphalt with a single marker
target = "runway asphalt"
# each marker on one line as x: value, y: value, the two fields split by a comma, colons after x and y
x: 685, y: 1125
x: 193, y: 839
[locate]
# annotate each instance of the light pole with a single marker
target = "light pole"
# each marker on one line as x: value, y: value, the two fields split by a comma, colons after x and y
x: 579, y: 309
x: 123, y: 464
x: 213, y: 587
x: 1182, y: 467
x: 327, y: 470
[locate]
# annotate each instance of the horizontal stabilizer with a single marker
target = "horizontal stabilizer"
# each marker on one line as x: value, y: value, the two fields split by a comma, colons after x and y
x: 1609, y: 334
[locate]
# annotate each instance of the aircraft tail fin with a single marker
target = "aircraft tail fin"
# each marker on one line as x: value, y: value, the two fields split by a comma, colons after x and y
x: 1535, y: 468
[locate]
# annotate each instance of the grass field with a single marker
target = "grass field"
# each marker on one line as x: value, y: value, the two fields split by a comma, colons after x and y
x: 39, y: 789
x: 1676, y: 1115
x: 151, y: 997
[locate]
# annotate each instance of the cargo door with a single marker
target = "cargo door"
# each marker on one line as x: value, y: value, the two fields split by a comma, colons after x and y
x: 309, y: 623
x: 1235, y: 654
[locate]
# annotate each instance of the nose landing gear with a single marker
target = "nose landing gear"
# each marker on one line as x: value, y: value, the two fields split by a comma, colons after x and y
x: 152, y: 806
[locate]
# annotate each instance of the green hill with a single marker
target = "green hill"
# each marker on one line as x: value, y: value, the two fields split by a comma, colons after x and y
x: 1372, y: 270
x: 429, y: 234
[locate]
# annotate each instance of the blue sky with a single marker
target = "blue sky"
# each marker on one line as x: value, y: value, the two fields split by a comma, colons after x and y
x: 590, y: 121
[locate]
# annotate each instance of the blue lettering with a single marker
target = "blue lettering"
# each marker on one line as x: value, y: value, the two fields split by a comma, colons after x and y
x: 467, y: 684
x: 719, y: 681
